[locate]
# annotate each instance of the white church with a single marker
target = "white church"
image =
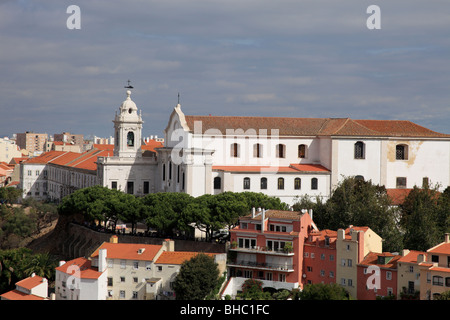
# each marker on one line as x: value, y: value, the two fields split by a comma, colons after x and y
x: 282, y: 157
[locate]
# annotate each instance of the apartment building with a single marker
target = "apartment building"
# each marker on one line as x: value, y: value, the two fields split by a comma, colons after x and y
x: 377, y: 276
x: 67, y: 137
x: 34, y: 143
x: 268, y: 245
x: 435, y: 270
x: 408, y: 279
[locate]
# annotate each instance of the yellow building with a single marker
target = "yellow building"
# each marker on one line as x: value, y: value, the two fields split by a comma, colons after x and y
x: 352, y: 245
x: 408, y: 274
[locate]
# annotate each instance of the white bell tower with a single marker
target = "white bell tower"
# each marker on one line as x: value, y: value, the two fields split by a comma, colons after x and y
x: 128, y: 130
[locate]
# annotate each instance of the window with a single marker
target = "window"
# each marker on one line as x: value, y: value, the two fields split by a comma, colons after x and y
x: 122, y: 294
x: 130, y: 187
x: 281, y: 151
x: 114, y: 185
x: 425, y: 182
x: 360, y: 150
x: 130, y: 139
x: 388, y: 275
x: 401, y: 182
x: 314, y: 184
x: 302, y: 151
x: 123, y: 264
x: 234, y: 152
x: 110, y: 281
x: 217, y: 183
x: 264, y: 183
x: 164, y: 172
x: 257, y: 150
x: 297, y: 183
x: 135, y: 265
x: 435, y: 258
x: 447, y: 282
x: 170, y: 170
x: 122, y: 279
x: 438, y: 281
x: 280, y: 183
x: 246, y: 183
x: 135, y: 295
x: 401, y: 152
x: 349, y: 262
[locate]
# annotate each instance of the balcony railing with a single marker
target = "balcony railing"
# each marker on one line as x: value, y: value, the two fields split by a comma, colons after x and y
x: 264, y: 250
x: 262, y: 265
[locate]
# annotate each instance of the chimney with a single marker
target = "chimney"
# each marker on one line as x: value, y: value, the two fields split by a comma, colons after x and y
x: 114, y: 239
x: 405, y: 252
x: 447, y: 237
x: 311, y: 213
x: 263, y: 217
x: 253, y: 212
x: 61, y: 263
x: 420, y: 258
x: 102, y: 260
x: 341, y: 234
x: 169, y: 244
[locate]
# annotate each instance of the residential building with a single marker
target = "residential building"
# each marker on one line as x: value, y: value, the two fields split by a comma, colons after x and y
x: 63, y: 146
x: 79, y: 279
x: 352, y: 246
x: 34, y: 143
x: 31, y: 288
x: 435, y: 270
x: 268, y: 245
x: 9, y: 150
x: 377, y: 276
x: 408, y: 278
x: 67, y: 137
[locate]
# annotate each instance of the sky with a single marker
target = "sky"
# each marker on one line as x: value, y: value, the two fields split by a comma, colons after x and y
x: 303, y: 58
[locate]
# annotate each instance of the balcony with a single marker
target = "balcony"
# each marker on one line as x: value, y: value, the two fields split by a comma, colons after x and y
x: 261, y: 265
x: 264, y: 250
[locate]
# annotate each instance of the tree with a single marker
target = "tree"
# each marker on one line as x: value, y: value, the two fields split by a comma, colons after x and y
x: 322, y: 291
x: 360, y: 203
x: 9, y: 195
x: 420, y: 218
x: 252, y: 290
x: 197, y: 278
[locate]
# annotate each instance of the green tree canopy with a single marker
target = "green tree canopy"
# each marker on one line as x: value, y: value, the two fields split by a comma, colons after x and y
x: 197, y: 278
x: 322, y: 291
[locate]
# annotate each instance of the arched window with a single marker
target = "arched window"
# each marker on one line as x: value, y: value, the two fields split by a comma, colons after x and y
x: 257, y: 150
x: 302, y: 151
x: 164, y: 172
x: 280, y: 183
x: 263, y: 183
x: 246, y: 183
x: 401, y: 152
x: 360, y: 150
x: 217, y: 183
x: 314, y: 184
x: 281, y: 151
x: 297, y: 183
x: 130, y: 139
x: 234, y: 150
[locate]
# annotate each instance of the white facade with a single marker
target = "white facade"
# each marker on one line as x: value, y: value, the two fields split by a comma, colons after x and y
x: 128, y: 170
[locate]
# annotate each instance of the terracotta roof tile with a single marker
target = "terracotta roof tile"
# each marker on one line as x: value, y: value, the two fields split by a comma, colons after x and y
x: 312, y: 126
x: 129, y: 251
x: 85, y: 268
x: 397, y: 196
x: 411, y: 257
x: 372, y: 259
x: 178, y: 257
x: 443, y: 248
x: 30, y: 282
x: 18, y: 295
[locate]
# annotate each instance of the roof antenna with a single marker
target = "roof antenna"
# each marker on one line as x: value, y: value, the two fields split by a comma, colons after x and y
x: 178, y: 98
x: 129, y: 86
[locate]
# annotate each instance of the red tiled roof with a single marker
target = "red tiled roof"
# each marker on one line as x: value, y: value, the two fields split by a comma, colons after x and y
x: 291, y: 168
x: 129, y: 251
x: 19, y: 295
x: 178, y: 257
x: 86, y: 271
x: 397, y: 196
x: 151, y: 145
x: 312, y: 126
x: 30, y: 282
x: 411, y: 256
x: 443, y: 248
x: 372, y: 259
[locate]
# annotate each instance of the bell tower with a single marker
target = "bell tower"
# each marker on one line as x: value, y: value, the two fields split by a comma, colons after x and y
x: 128, y: 130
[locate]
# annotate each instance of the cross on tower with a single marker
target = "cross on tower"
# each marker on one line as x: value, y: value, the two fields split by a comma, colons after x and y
x: 129, y: 86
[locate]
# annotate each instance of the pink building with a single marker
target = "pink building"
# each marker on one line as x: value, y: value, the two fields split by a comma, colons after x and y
x: 377, y: 276
x: 268, y: 245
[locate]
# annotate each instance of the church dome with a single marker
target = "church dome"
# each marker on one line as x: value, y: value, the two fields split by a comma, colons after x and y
x: 128, y: 104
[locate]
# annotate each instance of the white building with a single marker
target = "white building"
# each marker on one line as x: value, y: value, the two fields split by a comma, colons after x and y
x: 282, y: 157
x: 78, y: 279
x: 31, y: 288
